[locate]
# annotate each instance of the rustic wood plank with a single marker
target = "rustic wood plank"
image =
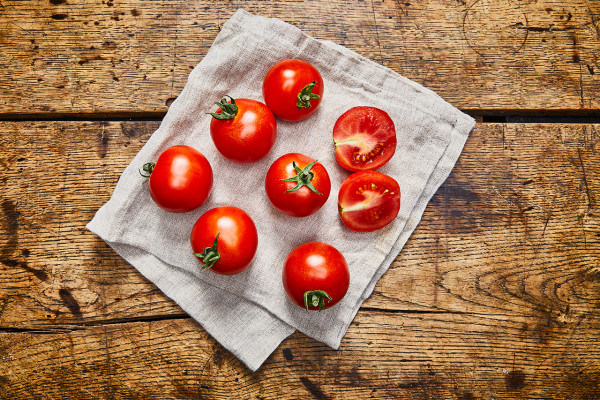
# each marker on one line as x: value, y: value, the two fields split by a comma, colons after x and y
x: 514, y: 231
x: 51, y: 187
x: 384, y: 356
x: 134, y: 56
x: 490, y: 297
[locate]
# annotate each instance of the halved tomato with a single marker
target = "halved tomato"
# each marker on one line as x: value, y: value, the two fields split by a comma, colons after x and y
x: 368, y: 201
x: 365, y: 138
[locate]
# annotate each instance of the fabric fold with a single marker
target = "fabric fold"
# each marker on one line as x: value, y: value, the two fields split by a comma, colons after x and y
x: 249, y: 313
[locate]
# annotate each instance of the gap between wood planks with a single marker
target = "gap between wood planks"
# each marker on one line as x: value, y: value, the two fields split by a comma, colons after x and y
x: 71, y: 327
x: 482, y: 116
x: 485, y: 116
x: 65, y: 328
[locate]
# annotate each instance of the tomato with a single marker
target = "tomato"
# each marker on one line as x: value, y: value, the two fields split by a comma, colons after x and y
x: 315, y: 276
x: 368, y: 200
x: 181, y: 180
x: 243, y: 130
x: 225, y: 240
x: 293, y: 89
x: 365, y: 138
x: 297, y: 185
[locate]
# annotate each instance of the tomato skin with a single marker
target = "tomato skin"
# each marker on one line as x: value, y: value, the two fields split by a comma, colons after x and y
x: 181, y: 180
x: 365, y: 138
x: 247, y: 137
x: 282, y: 84
x: 368, y: 201
x: 315, y: 266
x: 238, y: 238
x: 304, y: 201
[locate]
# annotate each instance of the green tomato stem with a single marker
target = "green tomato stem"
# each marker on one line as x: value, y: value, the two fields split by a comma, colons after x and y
x: 306, y: 95
x: 228, y: 109
x: 210, y: 255
x: 303, y: 177
x: 315, y: 298
x: 147, y: 168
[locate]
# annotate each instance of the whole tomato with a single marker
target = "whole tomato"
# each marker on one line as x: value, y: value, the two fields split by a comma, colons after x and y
x: 368, y: 201
x: 315, y: 276
x: 293, y: 89
x: 243, y: 130
x: 297, y: 185
x: 225, y: 240
x: 180, y: 180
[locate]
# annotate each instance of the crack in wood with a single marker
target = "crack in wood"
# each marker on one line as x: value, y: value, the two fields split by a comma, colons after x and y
x: 313, y: 388
x: 377, y: 32
x: 581, y: 96
x: 71, y: 327
x: 587, y: 188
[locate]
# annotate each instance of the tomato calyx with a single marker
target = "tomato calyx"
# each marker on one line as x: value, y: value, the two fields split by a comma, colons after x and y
x: 303, y: 177
x: 228, y: 109
x: 209, y: 255
x: 315, y: 298
x: 305, y: 95
x: 147, y: 168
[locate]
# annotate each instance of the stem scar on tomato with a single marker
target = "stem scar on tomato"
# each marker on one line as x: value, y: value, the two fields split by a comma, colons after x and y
x: 316, y: 298
x: 303, y: 178
x: 210, y: 255
x: 306, y: 95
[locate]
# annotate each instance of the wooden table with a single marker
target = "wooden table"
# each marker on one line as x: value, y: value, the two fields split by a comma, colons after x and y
x: 495, y: 296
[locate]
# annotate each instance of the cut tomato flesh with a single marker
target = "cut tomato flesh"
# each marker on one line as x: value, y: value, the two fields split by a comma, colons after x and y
x: 368, y: 201
x: 361, y: 148
x: 372, y: 197
x: 365, y: 138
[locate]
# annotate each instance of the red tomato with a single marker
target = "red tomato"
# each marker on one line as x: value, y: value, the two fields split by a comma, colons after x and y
x: 297, y: 185
x: 315, y: 276
x: 181, y: 179
x: 225, y: 240
x: 368, y: 201
x: 293, y: 89
x: 243, y: 130
x: 365, y: 138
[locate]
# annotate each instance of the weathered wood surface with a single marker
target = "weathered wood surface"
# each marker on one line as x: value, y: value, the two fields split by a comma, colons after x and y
x: 133, y: 57
x: 496, y: 294
x: 385, y: 355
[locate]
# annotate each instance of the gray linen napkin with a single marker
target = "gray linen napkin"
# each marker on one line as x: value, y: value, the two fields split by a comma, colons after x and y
x: 249, y: 313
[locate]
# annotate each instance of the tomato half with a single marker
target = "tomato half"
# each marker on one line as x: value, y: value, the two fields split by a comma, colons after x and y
x: 293, y: 89
x: 365, y: 138
x: 243, y: 130
x: 368, y: 201
x: 297, y: 185
x: 315, y: 276
x: 225, y: 240
x: 180, y: 180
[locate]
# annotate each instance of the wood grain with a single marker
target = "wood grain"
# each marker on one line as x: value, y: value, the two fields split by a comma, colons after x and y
x: 385, y: 355
x: 496, y: 294
x: 515, y: 230
x: 133, y: 57
x: 51, y: 187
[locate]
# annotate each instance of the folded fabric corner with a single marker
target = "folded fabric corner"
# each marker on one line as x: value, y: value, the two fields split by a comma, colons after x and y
x: 249, y: 313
